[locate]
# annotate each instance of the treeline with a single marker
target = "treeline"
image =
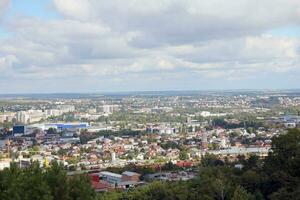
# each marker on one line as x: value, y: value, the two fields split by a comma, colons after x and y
x: 228, y: 125
x: 35, y: 183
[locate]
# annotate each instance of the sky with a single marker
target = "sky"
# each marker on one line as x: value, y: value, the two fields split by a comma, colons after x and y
x: 65, y: 46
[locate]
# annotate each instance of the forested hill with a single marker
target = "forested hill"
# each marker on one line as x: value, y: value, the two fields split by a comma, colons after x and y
x: 275, y: 177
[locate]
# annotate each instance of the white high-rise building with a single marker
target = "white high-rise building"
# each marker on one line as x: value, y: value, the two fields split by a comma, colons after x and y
x: 66, y: 108
x: 22, y: 117
x: 113, y: 157
x: 35, y: 115
x: 53, y: 112
x: 107, y: 109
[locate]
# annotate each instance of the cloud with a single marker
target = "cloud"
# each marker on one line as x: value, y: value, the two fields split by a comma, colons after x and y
x: 77, y: 9
x: 159, y: 44
x: 3, y: 7
x: 246, y: 50
x: 163, y: 22
x: 7, y: 61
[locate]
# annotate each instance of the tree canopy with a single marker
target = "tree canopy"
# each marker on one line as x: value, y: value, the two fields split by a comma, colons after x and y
x: 35, y: 183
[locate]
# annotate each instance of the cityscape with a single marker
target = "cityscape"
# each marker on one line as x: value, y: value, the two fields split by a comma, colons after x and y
x: 94, y: 134
x: 149, y: 100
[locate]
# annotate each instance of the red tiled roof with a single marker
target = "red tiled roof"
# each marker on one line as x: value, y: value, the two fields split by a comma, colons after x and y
x: 184, y: 164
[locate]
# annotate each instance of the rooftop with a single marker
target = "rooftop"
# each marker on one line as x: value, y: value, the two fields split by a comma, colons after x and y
x: 106, y: 173
x: 128, y: 173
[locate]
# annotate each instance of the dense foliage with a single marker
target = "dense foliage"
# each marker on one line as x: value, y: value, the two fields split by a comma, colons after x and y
x: 34, y: 183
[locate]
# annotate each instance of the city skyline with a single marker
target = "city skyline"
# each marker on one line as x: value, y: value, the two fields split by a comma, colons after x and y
x: 90, y: 46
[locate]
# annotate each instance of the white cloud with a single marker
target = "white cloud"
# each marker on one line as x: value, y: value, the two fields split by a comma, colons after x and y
x: 77, y: 9
x: 7, y: 61
x: 100, y: 40
x: 160, y: 22
x: 3, y: 7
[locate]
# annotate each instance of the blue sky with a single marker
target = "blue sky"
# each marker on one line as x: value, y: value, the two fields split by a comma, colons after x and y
x: 33, y: 8
x: 286, y: 31
x: 42, y: 9
x: 103, y: 46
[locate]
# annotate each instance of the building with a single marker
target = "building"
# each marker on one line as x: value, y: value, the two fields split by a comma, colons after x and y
x: 130, y: 176
x: 30, y: 116
x: 97, y: 184
x: 22, y: 117
x: 125, y: 180
x: 19, y: 130
x: 7, y: 117
x: 204, y: 141
x: 107, y: 109
x: 53, y: 112
x: 64, y: 126
x: 113, y: 157
x: 5, y: 163
x: 111, y: 178
x: 66, y: 108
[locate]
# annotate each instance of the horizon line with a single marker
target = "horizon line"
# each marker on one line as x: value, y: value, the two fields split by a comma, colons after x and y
x: 152, y: 91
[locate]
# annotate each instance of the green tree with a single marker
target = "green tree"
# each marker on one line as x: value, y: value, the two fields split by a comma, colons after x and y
x: 34, y: 185
x: 80, y: 188
x: 250, y: 180
x: 10, y: 185
x: 209, y: 160
x: 183, y: 155
x: 285, y: 154
x: 57, y: 180
x: 241, y: 194
x: 283, y: 164
x: 52, y: 131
